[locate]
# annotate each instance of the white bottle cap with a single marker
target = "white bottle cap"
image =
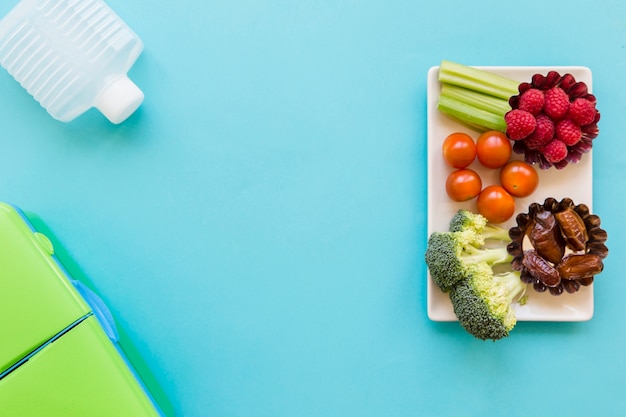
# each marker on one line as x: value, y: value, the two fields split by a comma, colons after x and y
x: 119, y: 99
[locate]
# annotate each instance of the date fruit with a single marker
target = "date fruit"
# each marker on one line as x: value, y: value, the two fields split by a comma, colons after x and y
x: 557, y: 246
x: 573, y: 229
x: 541, y: 269
x: 546, y: 237
x: 575, y: 266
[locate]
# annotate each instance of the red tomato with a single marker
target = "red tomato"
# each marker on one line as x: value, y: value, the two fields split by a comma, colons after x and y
x: 459, y: 150
x: 496, y: 204
x: 463, y: 184
x: 493, y: 149
x: 519, y: 178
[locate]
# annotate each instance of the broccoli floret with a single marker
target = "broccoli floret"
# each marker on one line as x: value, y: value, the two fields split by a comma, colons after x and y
x: 483, y: 303
x: 461, y: 262
x: 452, y: 257
x: 477, y: 227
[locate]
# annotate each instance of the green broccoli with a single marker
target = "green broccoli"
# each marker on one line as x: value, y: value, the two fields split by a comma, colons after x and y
x: 461, y: 262
x: 483, y: 302
x: 453, y: 256
x: 477, y: 227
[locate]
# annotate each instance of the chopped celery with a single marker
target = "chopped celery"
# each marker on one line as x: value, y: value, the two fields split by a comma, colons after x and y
x: 474, y: 96
x: 477, y: 80
x: 472, y: 116
x: 479, y: 100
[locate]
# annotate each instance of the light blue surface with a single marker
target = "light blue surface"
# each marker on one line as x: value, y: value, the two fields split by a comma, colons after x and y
x: 258, y: 227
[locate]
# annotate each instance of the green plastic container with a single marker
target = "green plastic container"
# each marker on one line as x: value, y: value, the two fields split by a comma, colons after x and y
x: 59, y: 354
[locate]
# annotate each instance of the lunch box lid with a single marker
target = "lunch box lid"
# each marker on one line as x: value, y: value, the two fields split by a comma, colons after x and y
x: 81, y: 373
x: 37, y: 299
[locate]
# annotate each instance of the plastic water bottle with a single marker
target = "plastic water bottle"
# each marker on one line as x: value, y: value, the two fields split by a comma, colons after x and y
x: 72, y: 55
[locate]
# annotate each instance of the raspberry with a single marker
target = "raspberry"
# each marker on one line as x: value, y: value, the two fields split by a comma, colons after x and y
x: 582, y: 111
x: 555, y: 151
x: 519, y: 124
x: 563, y: 98
x: 543, y: 133
x: 567, y: 132
x: 531, y: 101
x: 556, y: 103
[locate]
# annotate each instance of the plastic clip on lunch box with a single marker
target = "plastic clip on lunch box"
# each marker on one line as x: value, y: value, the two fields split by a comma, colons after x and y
x: 59, y: 350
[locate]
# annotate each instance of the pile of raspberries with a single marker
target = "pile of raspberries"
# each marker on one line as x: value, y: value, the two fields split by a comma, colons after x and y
x: 553, y: 120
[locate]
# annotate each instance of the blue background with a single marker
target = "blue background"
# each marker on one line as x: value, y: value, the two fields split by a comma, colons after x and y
x: 258, y: 226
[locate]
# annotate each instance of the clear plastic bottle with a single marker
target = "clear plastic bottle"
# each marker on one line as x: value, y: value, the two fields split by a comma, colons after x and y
x: 72, y: 55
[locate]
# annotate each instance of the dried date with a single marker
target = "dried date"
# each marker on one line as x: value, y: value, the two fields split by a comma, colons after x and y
x: 545, y: 236
x: 541, y: 269
x: 573, y: 229
x: 579, y: 266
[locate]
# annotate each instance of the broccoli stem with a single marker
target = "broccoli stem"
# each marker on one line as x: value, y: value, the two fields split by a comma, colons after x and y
x: 506, y: 288
x: 474, y: 96
x: 496, y: 233
x: 512, y: 287
x: 491, y: 256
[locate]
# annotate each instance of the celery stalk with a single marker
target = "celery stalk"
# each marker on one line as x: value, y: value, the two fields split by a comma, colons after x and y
x: 474, y: 96
x: 470, y: 115
x: 479, y: 100
x: 477, y: 80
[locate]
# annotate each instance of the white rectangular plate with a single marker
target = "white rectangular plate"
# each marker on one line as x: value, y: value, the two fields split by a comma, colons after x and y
x: 574, y: 181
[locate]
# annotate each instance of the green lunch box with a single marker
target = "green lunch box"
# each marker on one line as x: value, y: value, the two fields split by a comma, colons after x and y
x: 59, y: 350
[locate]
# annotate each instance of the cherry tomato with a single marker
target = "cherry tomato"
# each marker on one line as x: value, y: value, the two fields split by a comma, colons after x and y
x: 519, y: 178
x: 496, y: 204
x: 459, y: 150
x: 493, y: 149
x: 463, y: 184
